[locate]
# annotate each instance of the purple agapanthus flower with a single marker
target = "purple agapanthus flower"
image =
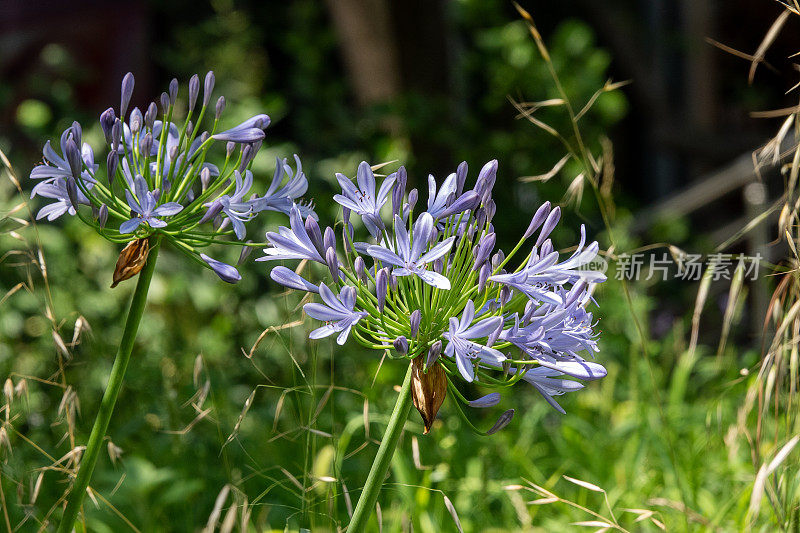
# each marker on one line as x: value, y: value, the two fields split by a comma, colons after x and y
x: 56, y: 170
x: 225, y: 271
x: 144, y: 205
x: 155, y: 169
x: 543, y: 274
x: 249, y: 131
x: 450, y: 198
x: 337, y: 311
x: 408, y: 257
x: 463, y: 349
x: 533, y: 322
x: 551, y: 383
x: 291, y: 279
x: 293, y: 242
x: 284, y: 198
x: 171, y: 144
x: 235, y: 207
x: 363, y: 200
x: 56, y: 188
x: 56, y: 166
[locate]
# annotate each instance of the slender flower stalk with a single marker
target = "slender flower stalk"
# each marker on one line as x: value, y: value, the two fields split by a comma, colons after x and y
x: 157, y: 188
x: 95, y: 444
x: 383, y: 458
x: 433, y: 290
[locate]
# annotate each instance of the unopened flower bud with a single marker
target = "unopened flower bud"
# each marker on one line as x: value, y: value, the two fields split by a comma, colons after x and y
x: 205, y: 178
x: 399, y: 191
x: 244, y: 253
x: 74, y: 160
x: 498, y: 258
x: 461, y: 177
x: 530, y: 307
x: 483, y: 276
x: 393, y: 282
x: 116, y: 134
x: 136, y: 120
x: 491, y: 209
x: 194, y: 90
x: 450, y: 198
x: 433, y: 354
x: 72, y: 191
x: 173, y: 91
x: 466, y: 202
x: 502, y: 422
x: 150, y: 116
x: 229, y: 148
x: 213, y: 210
x: 401, y: 345
x: 485, y: 247
x: 314, y: 233
x: 333, y: 262
x: 146, y: 145
x: 107, y: 119
x: 219, y: 108
x: 490, y: 400
x: 489, y: 173
x: 414, y: 319
x: 549, y: 225
x: 412, y: 198
x: 173, y: 153
x: 438, y: 266
x: 381, y: 286
x: 329, y: 240
x: 480, y: 217
x: 247, y: 157
x: 224, y: 271
x: 505, y: 296
x: 102, y: 215
x: 208, y: 87
x: 77, y: 133
x: 127, y: 91
x: 360, y: 269
x: 538, y: 218
x: 164, y: 100
x: 494, y: 335
x: 111, y: 163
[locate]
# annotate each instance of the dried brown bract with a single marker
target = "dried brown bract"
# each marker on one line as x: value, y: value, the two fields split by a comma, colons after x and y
x: 428, y: 390
x: 131, y: 260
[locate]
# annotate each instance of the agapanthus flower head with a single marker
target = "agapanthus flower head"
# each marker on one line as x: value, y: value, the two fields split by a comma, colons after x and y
x: 431, y: 287
x: 159, y: 179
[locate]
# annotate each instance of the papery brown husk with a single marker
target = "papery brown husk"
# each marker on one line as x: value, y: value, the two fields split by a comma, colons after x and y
x: 131, y: 260
x: 428, y: 390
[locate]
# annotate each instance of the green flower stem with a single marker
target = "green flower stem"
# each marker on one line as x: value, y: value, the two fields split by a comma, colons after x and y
x: 366, y: 503
x: 95, y: 445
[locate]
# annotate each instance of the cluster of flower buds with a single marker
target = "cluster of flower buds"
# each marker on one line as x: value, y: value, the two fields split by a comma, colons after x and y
x: 433, y: 289
x: 157, y: 179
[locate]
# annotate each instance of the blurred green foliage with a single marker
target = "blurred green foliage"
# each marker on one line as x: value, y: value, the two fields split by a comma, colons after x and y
x: 304, y: 423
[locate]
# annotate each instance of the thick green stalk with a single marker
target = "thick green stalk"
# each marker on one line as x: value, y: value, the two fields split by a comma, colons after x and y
x: 95, y: 445
x: 383, y: 459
